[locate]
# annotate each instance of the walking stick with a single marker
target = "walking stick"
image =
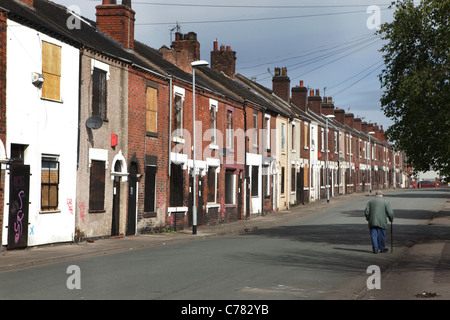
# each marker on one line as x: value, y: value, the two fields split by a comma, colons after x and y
x: 392, y: 240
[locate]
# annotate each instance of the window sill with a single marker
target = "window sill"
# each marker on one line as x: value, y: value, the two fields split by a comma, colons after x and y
x: 152, y: 134
x: 213, y: 146
x: 96, y: 211
x: 177, y: 209
x: 178, y: 140
x: 50, y: 211
x: 52, y: 100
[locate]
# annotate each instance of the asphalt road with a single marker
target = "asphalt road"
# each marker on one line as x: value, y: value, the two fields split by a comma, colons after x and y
x: 324, y: 255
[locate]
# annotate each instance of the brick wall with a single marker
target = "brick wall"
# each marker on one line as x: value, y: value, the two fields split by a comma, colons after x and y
x: 142, y: 144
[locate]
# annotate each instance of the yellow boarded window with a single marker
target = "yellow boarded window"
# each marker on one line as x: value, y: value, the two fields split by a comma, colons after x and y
x: 51, y: 69
x: 151, y: 107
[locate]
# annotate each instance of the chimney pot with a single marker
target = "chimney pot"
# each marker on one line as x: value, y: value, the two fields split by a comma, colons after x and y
x: 228, y: 48
x: 301, y: 83
x: 215, y: 45
x: 222, y: 48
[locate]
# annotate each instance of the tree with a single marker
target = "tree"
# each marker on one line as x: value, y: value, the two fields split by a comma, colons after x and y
x: 416, y: 82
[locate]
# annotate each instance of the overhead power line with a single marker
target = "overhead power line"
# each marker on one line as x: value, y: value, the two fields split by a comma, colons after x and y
x: 252, y: 19
x: 255, y: 6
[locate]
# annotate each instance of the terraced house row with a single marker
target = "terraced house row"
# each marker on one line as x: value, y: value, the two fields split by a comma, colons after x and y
x: 97, y: 134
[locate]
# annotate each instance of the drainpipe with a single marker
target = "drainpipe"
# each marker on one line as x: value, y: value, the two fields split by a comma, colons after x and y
x: 246, y: 173
x: 263, y: 136
x: 79, y: 106
x: 170, y: 119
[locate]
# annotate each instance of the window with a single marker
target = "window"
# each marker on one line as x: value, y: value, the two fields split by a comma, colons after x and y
x: 335, y: 142
x: 178, y: 113
x: 99, y: 93
x: 230, y: 187
x: 176, y: 185
x: 267, y: 133
x: 322, y: 140
x: 255, y: 128
x: 283, y: 137
x: 306, y: 144
x: 282, y: 180
x: 49, y: 183
x: 151, y: 110
x: 255, y: 175
x: 230, y: 141
x: 293, y: 137
x: 212, y: 184
x: 150, y: 186
x: 97, y: 186
x: 51, y: 70
x: 213, y: 124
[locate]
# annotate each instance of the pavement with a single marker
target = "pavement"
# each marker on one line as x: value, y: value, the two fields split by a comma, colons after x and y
x: 423, y: 269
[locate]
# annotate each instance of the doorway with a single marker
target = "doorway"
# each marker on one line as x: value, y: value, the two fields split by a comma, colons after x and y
x: 132, y: 197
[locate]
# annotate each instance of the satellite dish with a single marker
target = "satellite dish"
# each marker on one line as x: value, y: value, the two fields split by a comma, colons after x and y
x: 94, y: 122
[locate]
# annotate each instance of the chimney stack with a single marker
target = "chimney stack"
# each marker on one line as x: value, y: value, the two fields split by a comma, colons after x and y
x: 299, y: 96
x: 349, y: 120
x: 117, y: 21
x: 357, y: 124
x: 223, y: 60
x: 327, y: 106
x: 339, y: 115
x: 281, y: 84
x: 315, y: 102
x: 184, y: 50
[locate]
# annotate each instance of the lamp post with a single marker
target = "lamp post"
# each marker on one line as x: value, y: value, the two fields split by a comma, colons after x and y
x: 370, y: 167
x: 194, y: 65
x: 329, y: 116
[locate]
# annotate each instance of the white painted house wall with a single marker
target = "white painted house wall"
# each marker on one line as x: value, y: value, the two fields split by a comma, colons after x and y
x: 47, y: 127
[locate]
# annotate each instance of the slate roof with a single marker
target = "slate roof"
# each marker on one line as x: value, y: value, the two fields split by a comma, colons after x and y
x: 51, y: 19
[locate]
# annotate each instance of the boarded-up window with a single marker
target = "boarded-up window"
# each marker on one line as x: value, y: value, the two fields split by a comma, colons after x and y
x: 306, y: 176
x: 97, y: 186
x: 51, y: 70
x: 99, y: 93
x: 151, y: 107
x: 49, y: 183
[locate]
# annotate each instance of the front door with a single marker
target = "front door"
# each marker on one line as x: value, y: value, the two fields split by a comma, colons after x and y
x: 19, y: 182
x: 132, y: 197
x: 300, y: 184
x: 116, y: 207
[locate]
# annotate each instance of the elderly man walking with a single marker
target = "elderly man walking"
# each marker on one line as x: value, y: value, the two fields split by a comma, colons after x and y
x: 377, y: 212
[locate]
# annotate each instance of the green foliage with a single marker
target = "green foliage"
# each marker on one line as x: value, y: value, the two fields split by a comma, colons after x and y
x: 416, y: 82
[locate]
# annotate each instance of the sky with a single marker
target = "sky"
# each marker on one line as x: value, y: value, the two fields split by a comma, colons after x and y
x: 329, y: 44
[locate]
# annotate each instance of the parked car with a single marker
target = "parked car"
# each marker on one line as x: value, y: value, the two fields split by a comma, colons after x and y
x: 428, y: 184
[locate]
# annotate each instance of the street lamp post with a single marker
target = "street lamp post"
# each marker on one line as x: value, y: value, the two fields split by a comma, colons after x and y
x: 370, y: 167
x: 194, y: 65
x: 330, y: 116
